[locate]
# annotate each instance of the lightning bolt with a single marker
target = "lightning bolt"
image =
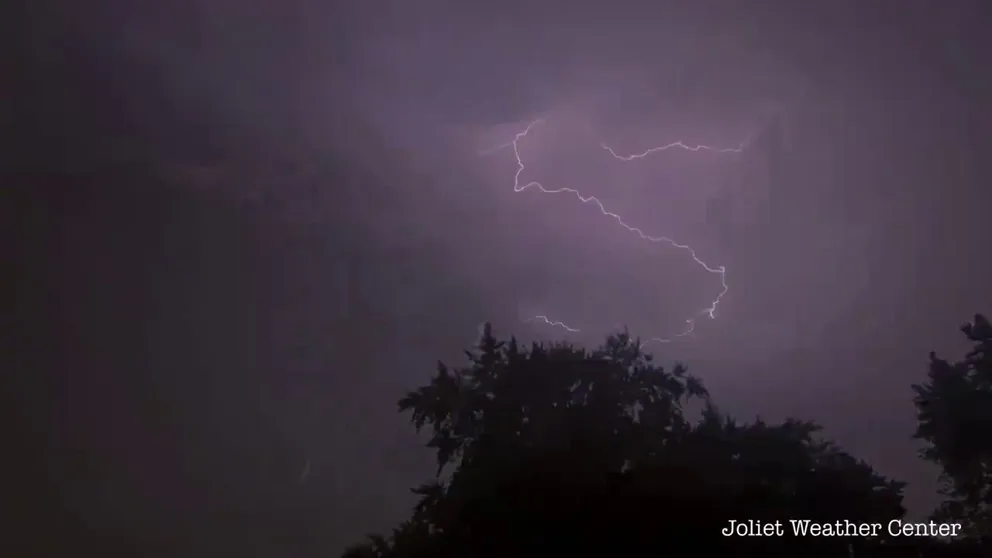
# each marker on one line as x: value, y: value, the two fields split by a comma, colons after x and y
x: 672, y: 145
x: 553, y: 323
x: 721, y: 271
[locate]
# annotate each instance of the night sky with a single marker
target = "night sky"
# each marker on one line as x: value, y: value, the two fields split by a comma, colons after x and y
x: 240, y: 230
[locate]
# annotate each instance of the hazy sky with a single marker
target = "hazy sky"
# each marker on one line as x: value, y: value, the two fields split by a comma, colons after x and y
x: 322, y: 226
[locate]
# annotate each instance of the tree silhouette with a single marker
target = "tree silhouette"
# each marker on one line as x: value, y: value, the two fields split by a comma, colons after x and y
x: 954, y: 408
x: 556, y: 449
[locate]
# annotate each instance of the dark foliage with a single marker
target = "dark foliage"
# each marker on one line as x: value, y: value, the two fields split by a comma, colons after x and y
x: 954, y: 408
x: 553, y: 449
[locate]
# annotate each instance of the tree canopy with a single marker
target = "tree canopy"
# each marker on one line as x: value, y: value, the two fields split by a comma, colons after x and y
x: 954, y: 407
x: 552, y: 448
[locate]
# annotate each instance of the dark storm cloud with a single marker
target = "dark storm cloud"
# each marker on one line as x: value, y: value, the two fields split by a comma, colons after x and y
x: 328, y: 211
